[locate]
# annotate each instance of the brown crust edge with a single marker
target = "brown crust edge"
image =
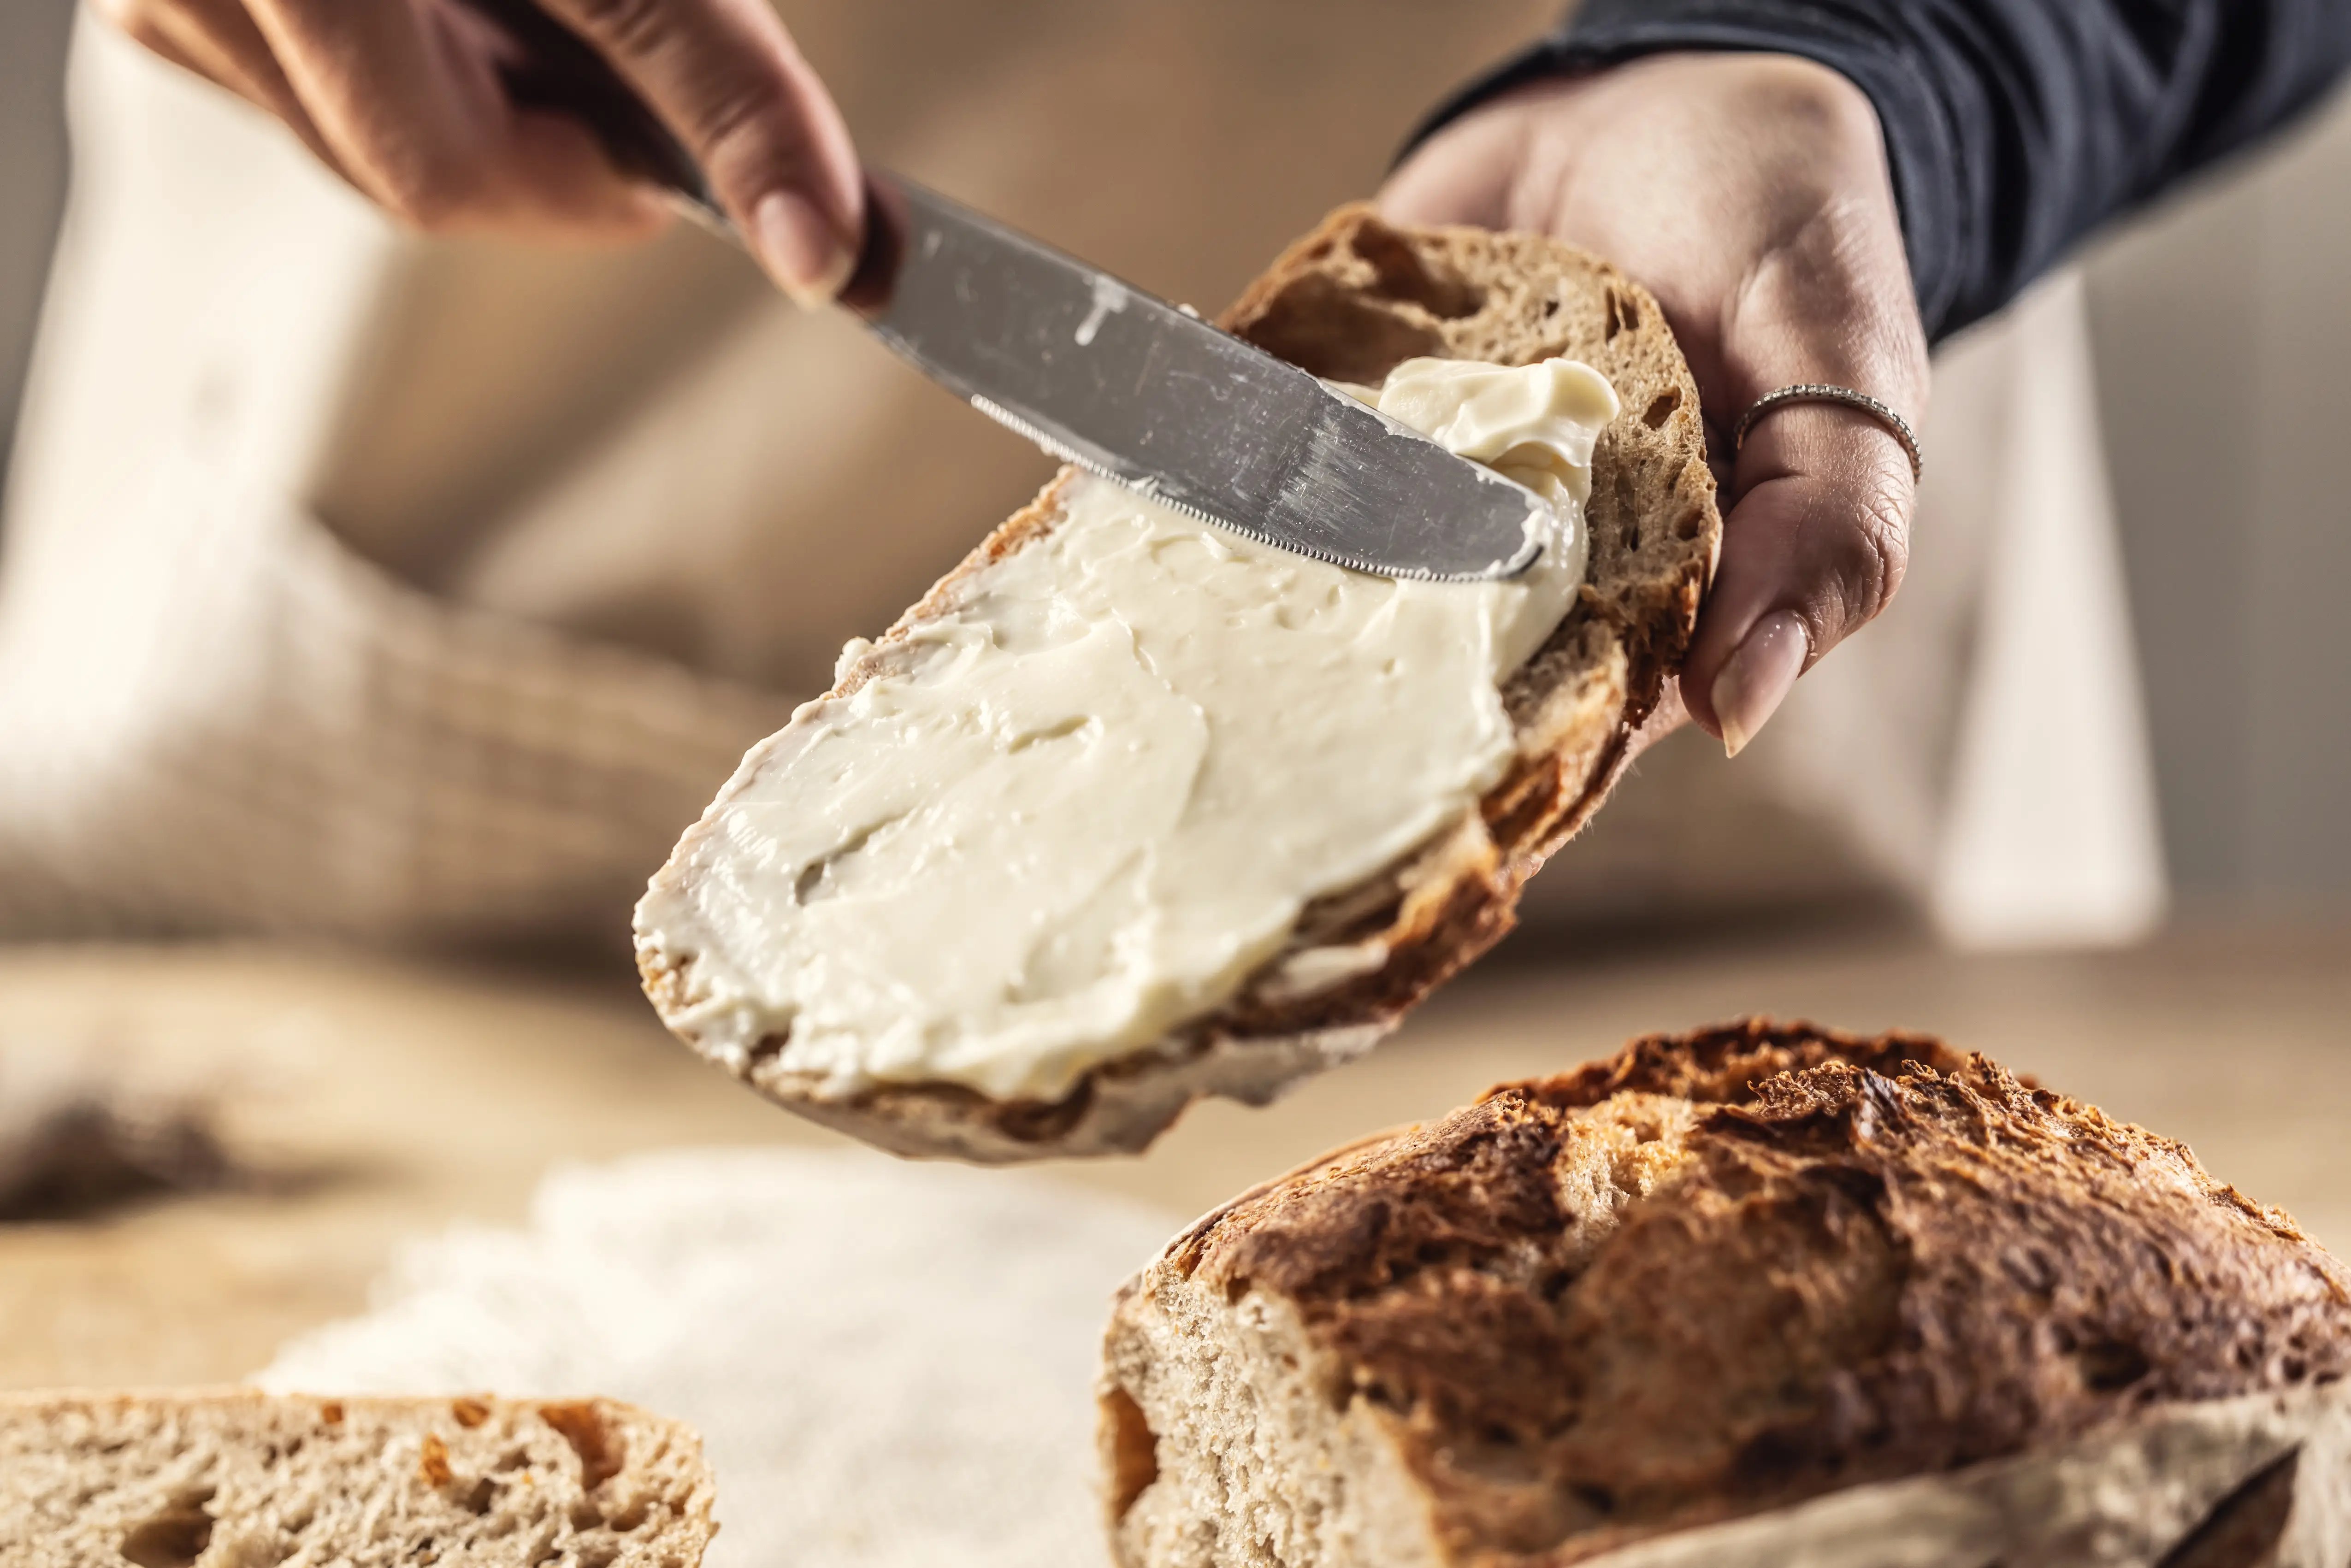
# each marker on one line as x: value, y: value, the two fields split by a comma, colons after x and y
x: 1577, y: 703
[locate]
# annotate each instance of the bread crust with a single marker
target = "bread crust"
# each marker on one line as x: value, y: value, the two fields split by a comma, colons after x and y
x: 1726, y: 1271
x: 1350, y: 301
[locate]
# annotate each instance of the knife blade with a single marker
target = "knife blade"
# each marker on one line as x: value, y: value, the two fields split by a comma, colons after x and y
x: 1100, y: 372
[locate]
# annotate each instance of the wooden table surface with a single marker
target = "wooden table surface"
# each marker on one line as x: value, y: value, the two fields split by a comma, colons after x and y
x: 371, y: 1101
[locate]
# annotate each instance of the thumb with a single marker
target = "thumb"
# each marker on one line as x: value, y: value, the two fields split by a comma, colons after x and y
x: 1813, y: 550
x: 727, y: 78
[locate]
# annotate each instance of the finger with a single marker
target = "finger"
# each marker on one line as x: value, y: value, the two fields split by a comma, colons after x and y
x: 163, y: 31
x: 1463, y: 175
x: 727, y: 78
x: 1816, y: 542
x: 1814, y: 549
x: 408, y: 99
x: 218, y: 41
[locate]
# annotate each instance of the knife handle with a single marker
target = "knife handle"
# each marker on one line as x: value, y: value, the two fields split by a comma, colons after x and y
x: 555, y: 70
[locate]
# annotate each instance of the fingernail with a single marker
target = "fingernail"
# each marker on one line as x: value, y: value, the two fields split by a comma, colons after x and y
x: 807, y: 257
x: 1757, y: 678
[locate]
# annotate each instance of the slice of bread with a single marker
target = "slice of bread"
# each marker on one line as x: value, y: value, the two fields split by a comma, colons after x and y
x: 232, y: 1476
x: 1349, y: 302
x: 1714, y: 1275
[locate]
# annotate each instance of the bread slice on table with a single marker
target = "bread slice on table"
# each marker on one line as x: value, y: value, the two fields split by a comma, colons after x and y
x: 1715, y: 1277
x: 229, y: 1478
x: 1349, y: 302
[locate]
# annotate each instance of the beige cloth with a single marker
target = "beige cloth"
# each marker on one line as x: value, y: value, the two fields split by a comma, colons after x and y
x: 417, y: 591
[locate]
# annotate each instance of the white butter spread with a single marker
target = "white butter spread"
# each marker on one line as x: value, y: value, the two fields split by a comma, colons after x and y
x: 1089, y: 803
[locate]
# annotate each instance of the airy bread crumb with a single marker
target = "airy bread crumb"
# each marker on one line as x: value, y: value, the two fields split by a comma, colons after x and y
x: 232, y: 1478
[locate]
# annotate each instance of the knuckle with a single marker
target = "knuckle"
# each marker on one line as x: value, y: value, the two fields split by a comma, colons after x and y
x: 735, y: 126
x: 1801, y: 92
x: 429, y: 195
x: 738, y: 111
x: 1871, y: 554
x: 633, y: 28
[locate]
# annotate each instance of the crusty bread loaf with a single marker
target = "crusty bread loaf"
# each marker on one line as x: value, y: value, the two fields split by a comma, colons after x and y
x: 234, y: 1478
x: 1711, y: 1277
x: 1349, y: 302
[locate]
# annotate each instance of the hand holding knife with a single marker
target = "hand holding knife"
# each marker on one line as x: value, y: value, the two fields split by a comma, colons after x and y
x: 1093, y: 368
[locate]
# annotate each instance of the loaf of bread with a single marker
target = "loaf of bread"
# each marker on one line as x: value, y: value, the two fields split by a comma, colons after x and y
x: 1849, y: 1293
x: 1349, y: 303
x: 237, y: 1478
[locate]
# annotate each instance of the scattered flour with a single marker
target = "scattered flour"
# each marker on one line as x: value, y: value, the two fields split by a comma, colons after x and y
x: 890, y: 1363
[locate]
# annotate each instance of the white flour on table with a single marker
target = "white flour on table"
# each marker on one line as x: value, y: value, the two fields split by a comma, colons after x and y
x: 890, y: 1363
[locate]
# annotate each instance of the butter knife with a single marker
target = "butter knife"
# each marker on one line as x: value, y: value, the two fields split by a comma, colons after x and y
x: 1096, y: 371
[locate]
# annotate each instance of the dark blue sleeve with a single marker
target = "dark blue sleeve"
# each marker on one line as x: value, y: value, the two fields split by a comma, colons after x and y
x: 2013, y: 127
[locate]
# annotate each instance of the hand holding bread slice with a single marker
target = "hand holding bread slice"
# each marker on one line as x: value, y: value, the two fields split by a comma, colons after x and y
x: 1349, y: 303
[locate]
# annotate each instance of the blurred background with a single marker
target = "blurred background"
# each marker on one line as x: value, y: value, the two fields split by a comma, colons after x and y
x: 412, y: 596
x: 2215, y: 324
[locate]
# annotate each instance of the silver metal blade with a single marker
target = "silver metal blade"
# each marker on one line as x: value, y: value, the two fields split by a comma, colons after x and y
x: 1106, y: 376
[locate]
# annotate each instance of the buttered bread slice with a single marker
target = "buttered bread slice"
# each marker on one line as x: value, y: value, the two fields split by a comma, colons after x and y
x: 1131, y: 810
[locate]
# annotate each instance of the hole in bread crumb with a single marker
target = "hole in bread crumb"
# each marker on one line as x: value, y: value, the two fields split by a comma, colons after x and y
x: 481, y: 1497
x: 581, y: 1423
x: 1133, y: 1450
x: 1404, y: 275
x: 1661, y: 408
x: 173, y: 1538
x: 1330, y: 330
x: 1622, y: 314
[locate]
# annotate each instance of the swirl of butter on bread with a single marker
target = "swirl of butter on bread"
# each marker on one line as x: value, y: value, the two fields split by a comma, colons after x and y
x: 1093, y: 799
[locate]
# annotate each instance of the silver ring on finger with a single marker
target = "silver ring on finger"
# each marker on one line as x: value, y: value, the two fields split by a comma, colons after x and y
x: 1816, y: 391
